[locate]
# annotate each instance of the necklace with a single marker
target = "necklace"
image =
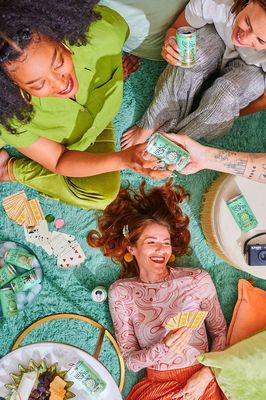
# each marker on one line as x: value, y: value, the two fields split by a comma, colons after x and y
x: 164, y: 278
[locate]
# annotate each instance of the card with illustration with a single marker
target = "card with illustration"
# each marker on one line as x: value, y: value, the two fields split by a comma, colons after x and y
x: 23, y: 211
x: 190, y: 319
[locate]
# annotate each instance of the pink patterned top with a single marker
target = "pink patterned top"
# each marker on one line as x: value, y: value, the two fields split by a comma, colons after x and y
x: 141, y: 310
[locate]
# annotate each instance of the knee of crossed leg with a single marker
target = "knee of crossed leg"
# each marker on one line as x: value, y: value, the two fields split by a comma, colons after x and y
x: 109, y: 189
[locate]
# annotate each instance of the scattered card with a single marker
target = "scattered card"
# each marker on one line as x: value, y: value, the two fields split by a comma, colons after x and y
x: 23, y: 211
x: 64, y: 246
x: 29, y: 214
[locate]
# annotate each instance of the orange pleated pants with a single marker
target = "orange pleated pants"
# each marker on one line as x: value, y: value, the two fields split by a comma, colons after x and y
x: 162, y: 385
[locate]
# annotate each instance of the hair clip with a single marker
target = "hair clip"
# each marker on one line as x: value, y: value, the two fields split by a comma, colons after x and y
x: 125, y: 231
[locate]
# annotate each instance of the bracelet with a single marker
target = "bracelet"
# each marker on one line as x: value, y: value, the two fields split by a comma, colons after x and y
x: 9, y: 172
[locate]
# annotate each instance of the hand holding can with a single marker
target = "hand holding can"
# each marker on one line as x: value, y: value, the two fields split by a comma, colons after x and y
x: 170, y: 51
x: 167, y: 151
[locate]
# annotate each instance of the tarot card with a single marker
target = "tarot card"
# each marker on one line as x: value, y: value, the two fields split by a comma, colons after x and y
x: 191, y: 317
x: 173, y: 323
x: 199, y: 319
x: 30, y: 220
x: 183, y: 321
x: 36, y: 210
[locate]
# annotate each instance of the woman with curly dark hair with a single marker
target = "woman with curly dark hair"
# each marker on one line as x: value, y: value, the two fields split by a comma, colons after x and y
x: 61, y: 85
x: 144, y: 231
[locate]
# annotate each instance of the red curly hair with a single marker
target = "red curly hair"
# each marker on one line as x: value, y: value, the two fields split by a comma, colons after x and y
x: 136, y: 210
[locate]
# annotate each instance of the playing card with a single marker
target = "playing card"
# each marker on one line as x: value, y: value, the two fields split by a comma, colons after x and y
x: 60, y: 242
x: 30, y: 220
x: 191, y: 317
x: 66, y: 259
x: 22, y: 211
x: 13, y: 199
x: 40, y: 236
x: 71, y: 257
x: 80, y: 256
x: 36, y: 210
x: 173, y: 323
x: 198, y: 320
x: 183, y: 321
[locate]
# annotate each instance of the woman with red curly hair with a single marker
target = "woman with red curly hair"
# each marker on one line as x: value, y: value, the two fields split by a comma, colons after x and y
x: 144, y: 232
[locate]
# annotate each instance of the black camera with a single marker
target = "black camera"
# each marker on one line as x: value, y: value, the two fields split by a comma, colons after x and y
x: 256, y: 254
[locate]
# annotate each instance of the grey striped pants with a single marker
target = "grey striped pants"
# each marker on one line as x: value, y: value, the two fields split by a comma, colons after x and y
x: 237, y: 85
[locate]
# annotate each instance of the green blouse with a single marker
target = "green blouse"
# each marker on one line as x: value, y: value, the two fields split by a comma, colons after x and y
x: 98, y: 66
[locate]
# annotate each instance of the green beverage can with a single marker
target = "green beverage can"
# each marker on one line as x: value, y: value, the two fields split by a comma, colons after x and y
x: 85, y: 376
x: 242, y: 213
x: 167, y: 151
x: 8, y: 302
x: 187, y: 44
x: 26, y: 281
x: 99, y: 294
x: 7, y: 273
x: 19, y: 258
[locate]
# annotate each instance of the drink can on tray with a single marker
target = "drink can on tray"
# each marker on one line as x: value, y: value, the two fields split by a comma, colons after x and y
x: 186, y: 42
x: 242, y: 213
x: 26, y: 281
x: 7, y: 273
x: 85, y: 376
x: 19, y: 258
x: 8, y: 302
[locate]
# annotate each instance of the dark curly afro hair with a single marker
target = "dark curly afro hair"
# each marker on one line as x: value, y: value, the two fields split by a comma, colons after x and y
x: 61, y: 20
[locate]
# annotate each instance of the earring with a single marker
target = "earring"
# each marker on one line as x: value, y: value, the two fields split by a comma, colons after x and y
x: 67, y: 48
x: 25, y: 95
x: 128, y: 257
x: 172, y: 258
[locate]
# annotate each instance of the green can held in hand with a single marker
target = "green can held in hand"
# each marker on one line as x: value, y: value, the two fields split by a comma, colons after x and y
x: 187, y: 44
x: 167, y: 151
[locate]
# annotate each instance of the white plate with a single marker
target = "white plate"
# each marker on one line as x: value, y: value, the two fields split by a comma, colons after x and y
x: 228, y: 235
x: 64, y: 355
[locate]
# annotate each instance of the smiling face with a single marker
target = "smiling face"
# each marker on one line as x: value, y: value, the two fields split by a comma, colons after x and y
x: 249, y: 27
x: 44, y: 69
x: 152, y: 251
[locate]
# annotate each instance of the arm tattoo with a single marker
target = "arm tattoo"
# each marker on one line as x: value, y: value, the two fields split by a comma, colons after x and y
x: 237, y: 166
x: 249, y: 165
x: 224, y: 155
x: 263, y: 177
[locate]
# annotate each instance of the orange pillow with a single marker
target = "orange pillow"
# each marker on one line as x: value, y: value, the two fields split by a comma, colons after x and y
x: 249, y: 315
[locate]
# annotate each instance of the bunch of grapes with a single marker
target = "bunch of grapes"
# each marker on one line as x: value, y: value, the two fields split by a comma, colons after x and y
x: 42, y: 391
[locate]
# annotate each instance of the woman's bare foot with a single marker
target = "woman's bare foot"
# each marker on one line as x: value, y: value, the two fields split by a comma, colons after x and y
x: 135, y: 135
x: 4, y: 157
x: 130, y: 64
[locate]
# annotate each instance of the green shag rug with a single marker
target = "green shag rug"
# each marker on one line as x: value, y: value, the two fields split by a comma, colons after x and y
x: 68, y: 291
